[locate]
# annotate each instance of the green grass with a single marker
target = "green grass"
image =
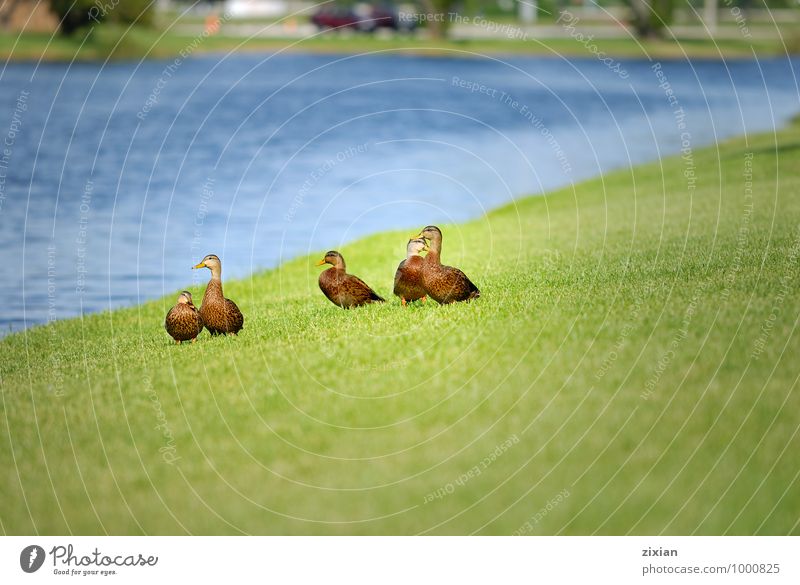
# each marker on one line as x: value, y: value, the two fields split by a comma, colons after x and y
x: 116, y: 42
x: 635, y: 340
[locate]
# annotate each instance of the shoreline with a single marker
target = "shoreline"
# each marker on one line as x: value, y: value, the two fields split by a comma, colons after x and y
x: 147, y: 45
x: 521, y: 199
x: 794, y: 120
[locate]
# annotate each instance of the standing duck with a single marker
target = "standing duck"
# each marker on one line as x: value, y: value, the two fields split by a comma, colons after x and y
x: 220, y: 315
x: 444, y: 284
x: 408, y: 278
x: 183, y: 321
x: 341, y: 288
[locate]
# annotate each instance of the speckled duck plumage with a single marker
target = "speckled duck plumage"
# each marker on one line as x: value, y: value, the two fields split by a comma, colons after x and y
x: 220, y: 315
x: 183, y: 321
x: 408, y: 283
x: 342, y: 289
x: 444, y: 284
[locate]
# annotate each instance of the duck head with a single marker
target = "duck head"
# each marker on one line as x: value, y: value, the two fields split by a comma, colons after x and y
x: 433, y: 235
x: 185, y: 298
x: 213, y: 263
x: 334, y: 259
x: 415, y: 247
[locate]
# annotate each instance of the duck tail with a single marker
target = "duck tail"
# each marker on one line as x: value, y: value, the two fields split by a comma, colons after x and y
x: 474, y: 293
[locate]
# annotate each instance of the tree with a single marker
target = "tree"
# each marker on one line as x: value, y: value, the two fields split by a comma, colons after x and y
x: 651, y: 16
x: 437, y: 14
x: 6, y: 12
x: 130, y: 11
x: 75, y: 14
x: 72, y: 14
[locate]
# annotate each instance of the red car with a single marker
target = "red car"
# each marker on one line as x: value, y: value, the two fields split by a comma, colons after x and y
x: 365, y: 18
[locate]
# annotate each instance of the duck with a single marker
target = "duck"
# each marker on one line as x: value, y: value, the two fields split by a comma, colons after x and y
x: 408, y: 278
x: 183, y: 321
x: 444, y: 284
x: 342, y: 289
x: 220, y: 315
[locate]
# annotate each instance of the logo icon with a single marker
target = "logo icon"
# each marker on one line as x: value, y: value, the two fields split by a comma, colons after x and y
x: 31, y: 558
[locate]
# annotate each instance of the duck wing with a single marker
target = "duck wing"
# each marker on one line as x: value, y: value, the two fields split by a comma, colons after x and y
x: 183, y: 323
x: 362, y: 289
x: 233, y: 316
x: 451, y: 285
x: 398, y: 276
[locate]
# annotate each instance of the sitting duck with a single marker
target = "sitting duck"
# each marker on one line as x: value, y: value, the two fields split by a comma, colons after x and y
x: 444, y: 284
x: 183, y: 321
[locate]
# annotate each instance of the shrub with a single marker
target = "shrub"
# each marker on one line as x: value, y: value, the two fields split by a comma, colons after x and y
x: 75, y: 14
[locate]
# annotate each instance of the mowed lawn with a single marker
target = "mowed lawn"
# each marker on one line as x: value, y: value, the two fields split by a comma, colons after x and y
x: 631, y: 367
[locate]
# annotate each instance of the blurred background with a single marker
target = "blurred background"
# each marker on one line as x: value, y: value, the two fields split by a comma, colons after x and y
x: 762, y: 22
x: 140, y: 136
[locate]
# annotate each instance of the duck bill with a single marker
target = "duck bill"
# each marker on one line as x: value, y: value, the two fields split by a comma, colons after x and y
x: 201, y: 265
x: 321, y: 262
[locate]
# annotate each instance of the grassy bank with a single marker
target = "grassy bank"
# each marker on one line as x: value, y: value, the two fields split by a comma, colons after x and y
x: 114, y: 42
x: 630, y: 368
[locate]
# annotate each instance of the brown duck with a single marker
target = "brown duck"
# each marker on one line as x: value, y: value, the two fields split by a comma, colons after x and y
x: 183, y: 321
x: 220, y: 315
x: 444, y: 284
x: 408, y: 278
x: 341, y: 288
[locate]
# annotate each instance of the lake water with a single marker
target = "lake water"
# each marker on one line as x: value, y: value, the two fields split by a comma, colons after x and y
x: 115, y: 180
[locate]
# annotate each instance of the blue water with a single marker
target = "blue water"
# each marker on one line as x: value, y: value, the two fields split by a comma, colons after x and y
x: 108, y: 197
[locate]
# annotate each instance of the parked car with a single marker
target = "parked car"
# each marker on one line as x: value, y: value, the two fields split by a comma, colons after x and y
x: 362, y: 17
